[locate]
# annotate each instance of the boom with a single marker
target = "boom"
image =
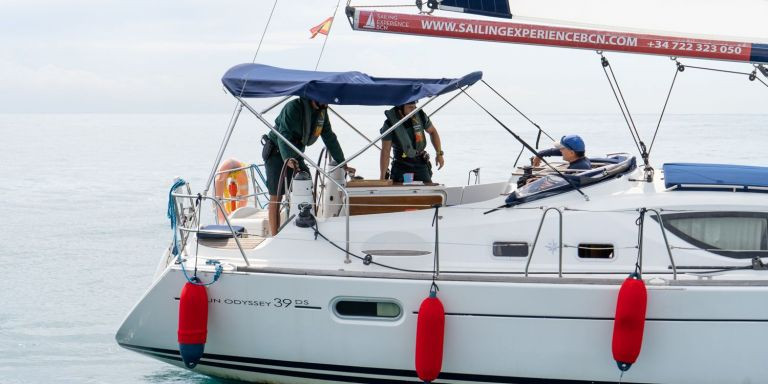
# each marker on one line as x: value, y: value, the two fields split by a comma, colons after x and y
x: 508, y: 32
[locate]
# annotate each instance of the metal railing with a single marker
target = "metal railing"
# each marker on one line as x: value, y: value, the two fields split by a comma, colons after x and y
x: 560, y: 241
x: 666, y: 241
x: 184, y: 230
x: 258, y: 185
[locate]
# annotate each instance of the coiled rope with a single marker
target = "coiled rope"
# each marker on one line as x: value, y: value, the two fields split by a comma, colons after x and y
x: 173, y: 217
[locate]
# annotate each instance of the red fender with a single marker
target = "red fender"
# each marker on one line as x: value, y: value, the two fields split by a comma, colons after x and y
x: 193, y: 323
x: 430, y: 329
x: 629, y: 322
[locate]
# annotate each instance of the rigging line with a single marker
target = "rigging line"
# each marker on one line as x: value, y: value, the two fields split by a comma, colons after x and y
x: 264, y: 33
x: 538, y: 139
x: 750, y: 74
x: 333, y: 18
x: 519, y: 155
x: 352, y: 127
x: 448, y: 101
x: 626, y: 106
x: 605, y: 63
x: 718, y: 70
x: 238, y: 105
x: 664, y: 109
x: 518, y: 111
x: 528, y: 146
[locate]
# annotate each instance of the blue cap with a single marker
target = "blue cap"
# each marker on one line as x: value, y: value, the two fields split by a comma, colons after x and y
x: 572, y: 142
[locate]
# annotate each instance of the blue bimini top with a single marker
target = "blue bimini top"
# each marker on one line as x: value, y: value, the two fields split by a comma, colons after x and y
x: 350, y: 88
x: 708, y: 176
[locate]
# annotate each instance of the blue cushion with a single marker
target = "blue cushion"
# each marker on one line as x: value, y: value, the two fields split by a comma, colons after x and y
x: 215, y: 231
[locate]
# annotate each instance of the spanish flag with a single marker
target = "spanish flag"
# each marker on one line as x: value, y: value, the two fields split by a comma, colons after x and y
x: 323, y: 27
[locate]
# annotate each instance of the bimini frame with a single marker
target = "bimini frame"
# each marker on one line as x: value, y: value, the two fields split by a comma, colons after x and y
x: 243, y: 103
x: 260, y: 116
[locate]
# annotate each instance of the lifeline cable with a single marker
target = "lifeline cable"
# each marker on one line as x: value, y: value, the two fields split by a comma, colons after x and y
x: 367, y: 260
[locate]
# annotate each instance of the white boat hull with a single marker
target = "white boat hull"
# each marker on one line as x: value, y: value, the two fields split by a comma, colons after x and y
x: 511, y: 330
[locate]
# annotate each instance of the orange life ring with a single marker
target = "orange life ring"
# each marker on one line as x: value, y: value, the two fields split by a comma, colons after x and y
x: 231, y: 184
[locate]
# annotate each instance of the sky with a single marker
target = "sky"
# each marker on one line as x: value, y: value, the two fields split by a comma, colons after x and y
x: 141, y: 56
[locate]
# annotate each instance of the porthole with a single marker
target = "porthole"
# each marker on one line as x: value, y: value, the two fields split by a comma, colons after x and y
x: 359, y: 308
x: 510, y: 248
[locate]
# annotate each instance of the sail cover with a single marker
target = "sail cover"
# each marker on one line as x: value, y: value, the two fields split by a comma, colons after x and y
x: 694, y: 175
x: 350, y: 88
x: 493, y: 8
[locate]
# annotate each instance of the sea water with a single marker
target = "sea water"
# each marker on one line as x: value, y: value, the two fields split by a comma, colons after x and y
x: 83, y: 201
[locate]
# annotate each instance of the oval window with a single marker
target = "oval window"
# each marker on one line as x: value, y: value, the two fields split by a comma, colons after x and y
x: 367, y: 308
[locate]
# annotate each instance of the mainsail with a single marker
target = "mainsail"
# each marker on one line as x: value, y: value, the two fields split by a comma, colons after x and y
x: 659, y: 36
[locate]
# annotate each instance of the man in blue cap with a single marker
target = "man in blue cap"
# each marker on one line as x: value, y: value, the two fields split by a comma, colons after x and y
x: 572, y: 149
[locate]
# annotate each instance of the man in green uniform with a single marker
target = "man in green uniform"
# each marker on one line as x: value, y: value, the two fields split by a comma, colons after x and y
x: 408, y: 142
x: 301, y: 121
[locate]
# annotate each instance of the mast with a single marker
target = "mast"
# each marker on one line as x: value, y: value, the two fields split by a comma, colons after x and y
x: 582, y: 38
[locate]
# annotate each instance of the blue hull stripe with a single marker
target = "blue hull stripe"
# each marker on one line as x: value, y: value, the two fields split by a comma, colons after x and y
x: 283, y: 368
x: 759, y: 53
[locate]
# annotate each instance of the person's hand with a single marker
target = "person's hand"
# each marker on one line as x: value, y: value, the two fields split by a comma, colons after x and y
x: 440, y: 160
x: 536, y: 161
x: 293, y: 164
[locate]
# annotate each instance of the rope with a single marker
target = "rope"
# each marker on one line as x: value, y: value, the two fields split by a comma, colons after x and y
x: 626, y: 106
x: 173, y: 216
x: 524, y: 143
x: 540, y: 130
x: 517, y: 110
x: 333, y: 18
x: 751, y: 75
x: 265, y: 31
x: 641, y: 224
x: 678, y: 68
x: 604, y: 62
x: 436, y: 261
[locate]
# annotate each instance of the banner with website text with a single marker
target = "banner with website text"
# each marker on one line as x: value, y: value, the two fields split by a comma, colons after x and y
x: 426, y: 25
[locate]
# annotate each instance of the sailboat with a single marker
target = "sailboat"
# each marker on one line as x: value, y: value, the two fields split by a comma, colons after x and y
x: 627, y: 271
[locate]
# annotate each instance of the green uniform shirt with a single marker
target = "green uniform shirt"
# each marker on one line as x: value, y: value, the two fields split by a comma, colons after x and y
x: 302, y: 125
